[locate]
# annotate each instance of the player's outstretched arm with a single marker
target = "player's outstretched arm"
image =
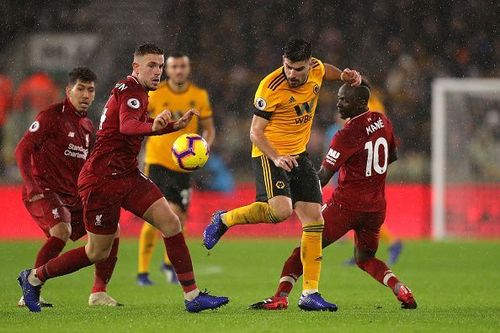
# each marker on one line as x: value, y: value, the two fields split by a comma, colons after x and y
x: 325, y: 175
x: 350, y: 76
x: 258, y: 138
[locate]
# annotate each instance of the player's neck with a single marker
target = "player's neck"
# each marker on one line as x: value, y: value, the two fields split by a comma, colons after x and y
x: 178, y: 88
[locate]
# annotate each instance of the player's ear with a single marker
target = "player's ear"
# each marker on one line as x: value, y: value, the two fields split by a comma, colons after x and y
x: 68, y: 89
x: 135, y: 66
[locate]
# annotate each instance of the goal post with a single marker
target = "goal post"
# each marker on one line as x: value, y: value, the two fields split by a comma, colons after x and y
x: 464, y: 176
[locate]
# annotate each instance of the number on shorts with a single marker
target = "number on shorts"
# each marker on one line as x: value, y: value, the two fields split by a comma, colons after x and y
x: 373, y: 160
x: 185, y: 195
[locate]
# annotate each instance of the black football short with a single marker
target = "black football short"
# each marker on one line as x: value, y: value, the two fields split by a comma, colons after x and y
x: 175, y: 186
x: 301, y: 184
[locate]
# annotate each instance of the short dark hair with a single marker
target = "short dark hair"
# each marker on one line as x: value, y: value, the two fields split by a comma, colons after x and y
x: 147, y: 48
x: 363, y: 91
x: 84, y: 74
x: 297, y: 49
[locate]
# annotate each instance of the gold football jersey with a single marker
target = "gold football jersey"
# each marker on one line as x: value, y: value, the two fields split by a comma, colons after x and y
x: 290, y: 110
x: 158, y: 148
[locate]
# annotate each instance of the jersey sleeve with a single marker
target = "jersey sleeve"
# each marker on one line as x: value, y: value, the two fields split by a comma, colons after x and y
x: 319, y: 67
x: 265, y: 101
x: 205, y: 107
x: 393, y: 153
x: 39, y: 131
x: 341, y: 149
x: 132, y: 106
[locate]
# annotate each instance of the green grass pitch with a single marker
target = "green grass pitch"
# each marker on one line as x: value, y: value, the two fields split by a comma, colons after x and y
x: 456, y: 284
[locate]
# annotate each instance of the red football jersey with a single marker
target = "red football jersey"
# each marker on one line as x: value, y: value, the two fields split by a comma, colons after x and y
x: 52, y: 152
x: 124, y: 123
x: 361, y: 152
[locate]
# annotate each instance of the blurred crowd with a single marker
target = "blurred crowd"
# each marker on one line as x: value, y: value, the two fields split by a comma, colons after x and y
x: 400, y: 46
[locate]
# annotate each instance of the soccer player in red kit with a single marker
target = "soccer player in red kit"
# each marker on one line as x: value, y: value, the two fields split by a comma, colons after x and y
x: 361, y: 152
x: 50, y: 156
x: 110, y: 179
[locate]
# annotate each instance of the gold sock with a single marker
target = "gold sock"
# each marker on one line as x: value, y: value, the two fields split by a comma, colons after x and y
x: 310, y: 255
x: 258, y: 212
x: 147, y: 241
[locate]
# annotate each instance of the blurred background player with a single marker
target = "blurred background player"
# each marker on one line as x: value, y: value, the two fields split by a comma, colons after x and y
x: 361, y: 152
x: 285, y: 105
x: 111, y: 180
x: 50, y: 156
x: 177, y: 94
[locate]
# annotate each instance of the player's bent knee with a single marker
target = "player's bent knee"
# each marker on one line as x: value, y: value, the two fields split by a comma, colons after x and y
x: 61, y: 230
x: 281, y: 209
x: 98, y: 256
x: 163, y: 218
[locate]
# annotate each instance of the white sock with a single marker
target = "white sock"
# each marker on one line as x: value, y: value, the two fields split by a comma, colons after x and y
x: 307, y: 292
x: 189, y: 296
x: 33, y: 280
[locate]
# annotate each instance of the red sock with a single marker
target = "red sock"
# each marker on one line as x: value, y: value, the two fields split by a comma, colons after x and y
x: 379, y: 271
x: 178, y: 253
x: 66, y: 263
x: 51, y: 249
x: 104, y: 269
x: 291, y: 272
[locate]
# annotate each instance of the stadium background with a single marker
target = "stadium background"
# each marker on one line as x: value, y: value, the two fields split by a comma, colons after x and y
x: 401, y: 46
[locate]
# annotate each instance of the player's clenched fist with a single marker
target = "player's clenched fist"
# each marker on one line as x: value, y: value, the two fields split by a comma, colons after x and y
x: 351, y: 76
x: 286, y: 162
x: 185, y: 119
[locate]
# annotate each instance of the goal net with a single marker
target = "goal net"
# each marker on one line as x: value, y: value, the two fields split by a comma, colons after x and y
x: 466, y: 158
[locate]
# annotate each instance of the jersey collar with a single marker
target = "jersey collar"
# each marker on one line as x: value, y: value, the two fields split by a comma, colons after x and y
x: 359, y: 115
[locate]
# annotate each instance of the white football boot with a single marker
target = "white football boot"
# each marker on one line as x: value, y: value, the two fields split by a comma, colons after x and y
x: 102, y: 298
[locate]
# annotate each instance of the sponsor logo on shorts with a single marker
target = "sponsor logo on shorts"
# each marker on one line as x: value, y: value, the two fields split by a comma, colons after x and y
x: 280, y: 184
x: 55, y: 212
x: 98, y: 220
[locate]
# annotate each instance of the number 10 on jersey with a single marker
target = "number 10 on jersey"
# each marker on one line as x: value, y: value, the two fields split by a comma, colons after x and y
x: 373, y: 159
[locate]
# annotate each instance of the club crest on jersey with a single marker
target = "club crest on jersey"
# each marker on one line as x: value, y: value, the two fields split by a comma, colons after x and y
x: 71, y: 134
x: 316, y: 89
x: 133, y: 103
x: 260, y: 103
x: 34, y: 127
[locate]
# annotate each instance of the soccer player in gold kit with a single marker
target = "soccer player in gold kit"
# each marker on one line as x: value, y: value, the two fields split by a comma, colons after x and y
x: 177, y: 94
x: 286, y: 180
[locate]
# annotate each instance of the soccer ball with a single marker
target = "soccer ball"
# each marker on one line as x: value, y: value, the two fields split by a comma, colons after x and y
x: 190, y: 152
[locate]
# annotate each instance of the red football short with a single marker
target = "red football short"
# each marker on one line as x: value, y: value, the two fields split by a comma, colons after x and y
x: 102, y: 199
x: 366, y: 226
x: 49, y: 211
